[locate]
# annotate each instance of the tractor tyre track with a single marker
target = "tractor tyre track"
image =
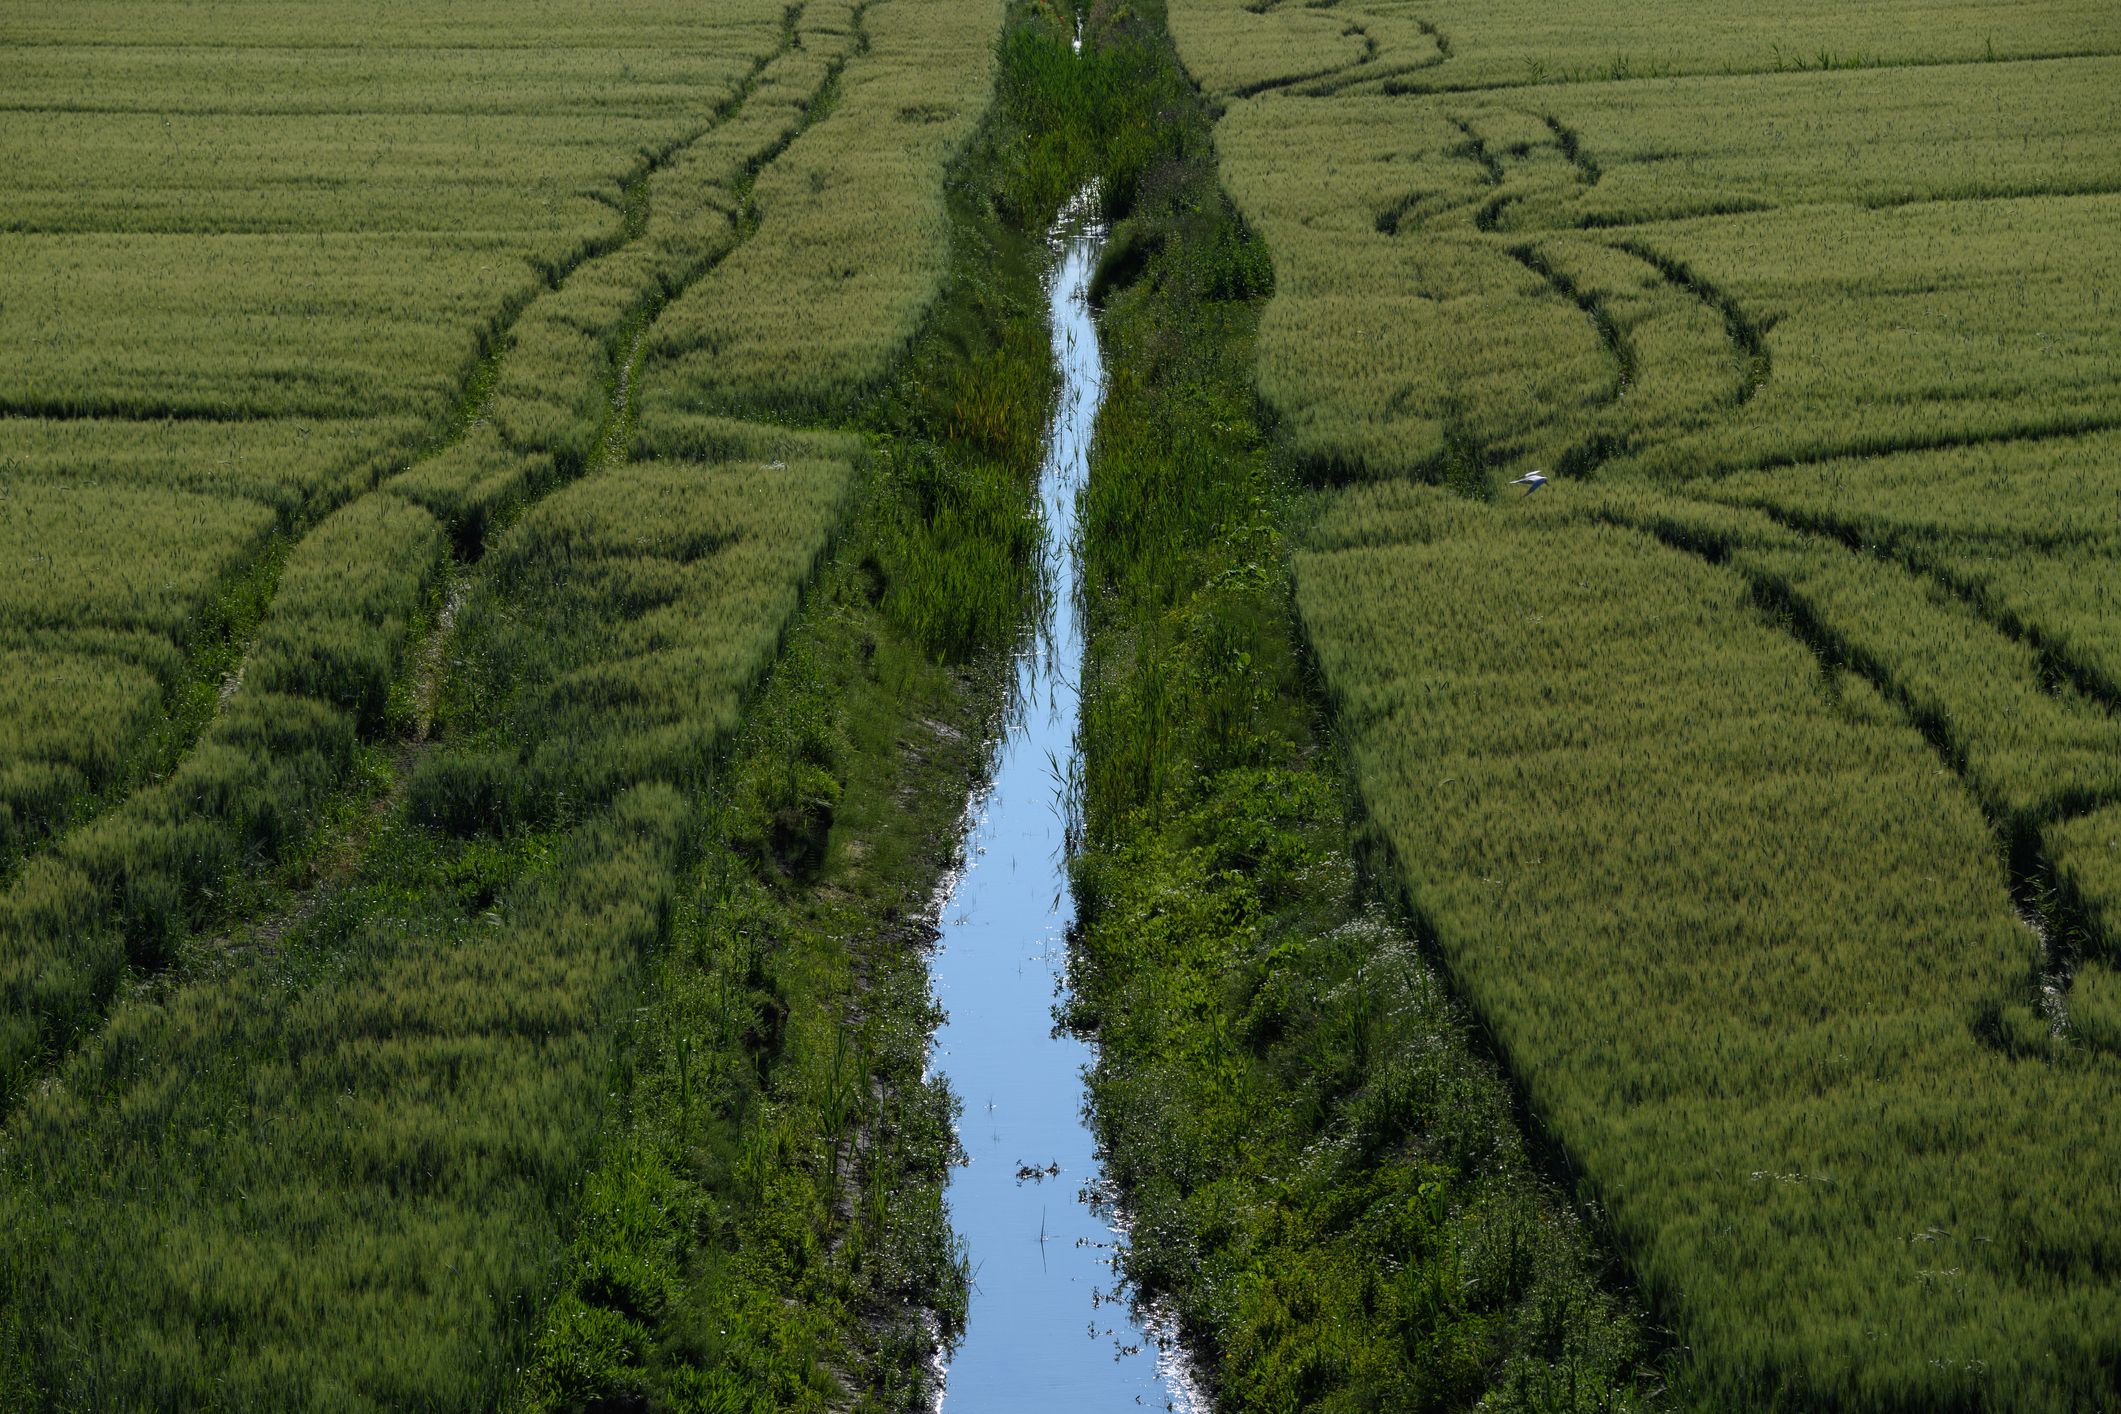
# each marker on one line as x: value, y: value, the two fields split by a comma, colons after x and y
x: 2039, y: 895
x: 339, y: 859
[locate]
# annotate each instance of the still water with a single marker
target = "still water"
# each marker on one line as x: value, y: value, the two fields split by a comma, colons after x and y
x: 1045, y: 1331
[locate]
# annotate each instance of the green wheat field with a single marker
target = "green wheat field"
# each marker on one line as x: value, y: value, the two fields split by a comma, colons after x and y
x: 515, y: 516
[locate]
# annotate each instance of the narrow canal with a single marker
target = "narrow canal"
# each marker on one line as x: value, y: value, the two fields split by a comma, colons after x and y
x: 1047, y: 1329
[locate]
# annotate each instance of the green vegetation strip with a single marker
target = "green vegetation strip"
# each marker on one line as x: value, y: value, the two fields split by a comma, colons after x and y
x: 1324, y: 1179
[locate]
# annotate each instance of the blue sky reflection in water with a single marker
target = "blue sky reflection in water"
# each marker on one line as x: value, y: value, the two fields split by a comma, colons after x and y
x: 1044, y: 1331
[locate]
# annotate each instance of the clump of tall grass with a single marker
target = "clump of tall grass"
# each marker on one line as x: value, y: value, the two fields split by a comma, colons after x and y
x: 414, y: 307
x: 957, y: 553
x: 2025, y: 749
x: 2095, y: 1006
x: 1240, y: 50
x: 118, y: 561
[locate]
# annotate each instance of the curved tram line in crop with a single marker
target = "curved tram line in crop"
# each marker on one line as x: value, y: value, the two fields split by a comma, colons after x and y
x: 229, y: 646
x: 1796, y: 701
x: 475, y: 479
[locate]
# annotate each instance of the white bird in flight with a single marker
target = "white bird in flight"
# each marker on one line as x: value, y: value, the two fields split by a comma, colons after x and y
x: 1531, y: 481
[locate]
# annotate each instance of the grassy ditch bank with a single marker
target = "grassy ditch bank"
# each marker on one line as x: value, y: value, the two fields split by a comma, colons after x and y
x: 1327, y: 1178
x: 766, y: 1228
